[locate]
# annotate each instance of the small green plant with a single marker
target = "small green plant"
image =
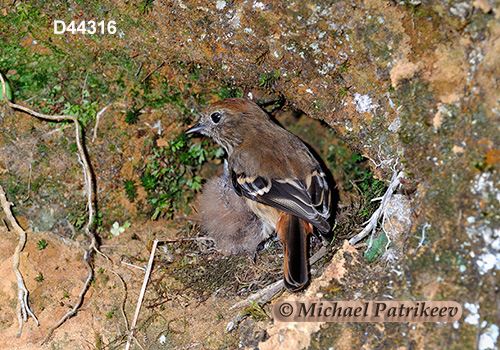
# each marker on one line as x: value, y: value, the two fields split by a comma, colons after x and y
x: 132, y: 115
x: 145, y: 6
x: 78, y: 219
x: 352, y: 171
x: 268, y: 79
x: 342, y: 93
x: 42, y: 244
x: 255, y: 311
x: 344, y: 67
x: 39, y: 278
x: 170, y: 176
x: 110, y: 313
x: 23, y: 10
x: 84, y: 112
x: 98, y: 222
x: 100, y: 271
x: 378, y: 247
x: 130, y: 190
x: 483, y: 166
x: 8, y: 90
x: 65, y: 295
x: 227, y: 92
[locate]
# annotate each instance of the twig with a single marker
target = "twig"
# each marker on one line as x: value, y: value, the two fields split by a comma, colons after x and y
x: 23, y: 310
x: 97, y: 117
x: 89, y: 183
x: 318, y: 255
x: 84, y: 84
x: 143, y: 291
x: 260, y: 297
x: 132, y: 265
x: 139, y: 70
x: 55, y: 130
x: 184, y: 239
x: 154, y: 70
x: 275, y: 287
x: 266, y: 294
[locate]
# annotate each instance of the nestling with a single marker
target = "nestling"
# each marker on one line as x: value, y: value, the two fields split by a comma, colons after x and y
x: 281, y: 181
x: 227, y: 219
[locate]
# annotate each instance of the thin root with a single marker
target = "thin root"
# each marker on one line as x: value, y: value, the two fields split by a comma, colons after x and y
x: 371, y: 224
x: 90, y: 190
x: 23, y: 310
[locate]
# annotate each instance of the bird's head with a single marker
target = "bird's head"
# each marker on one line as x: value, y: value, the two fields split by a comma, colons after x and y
x: 229, y: 121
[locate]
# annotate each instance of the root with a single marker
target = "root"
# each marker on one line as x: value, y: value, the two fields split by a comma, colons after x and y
x: 23, y: 310
x: 371, y: 224
x: 266, y: 294
x: 90, y: 189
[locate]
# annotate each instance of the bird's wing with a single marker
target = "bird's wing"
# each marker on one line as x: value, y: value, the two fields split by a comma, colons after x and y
x: 308, y: 199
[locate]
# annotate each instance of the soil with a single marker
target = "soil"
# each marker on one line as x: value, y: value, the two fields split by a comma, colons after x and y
x: 172, y: 314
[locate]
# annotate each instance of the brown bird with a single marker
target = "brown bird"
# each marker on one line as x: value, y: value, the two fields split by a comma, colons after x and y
x: 274, y: 170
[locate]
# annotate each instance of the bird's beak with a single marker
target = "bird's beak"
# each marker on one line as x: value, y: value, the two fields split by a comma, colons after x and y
x: 197, y: 128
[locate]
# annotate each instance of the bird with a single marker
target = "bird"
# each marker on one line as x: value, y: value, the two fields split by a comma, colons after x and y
x: 277, y: 175
x: 227, y: 219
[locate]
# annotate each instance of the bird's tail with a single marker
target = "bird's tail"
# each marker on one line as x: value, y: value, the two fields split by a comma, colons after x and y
x: 293, y: 232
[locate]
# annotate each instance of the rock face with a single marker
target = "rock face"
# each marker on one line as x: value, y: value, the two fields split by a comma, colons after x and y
x: 413, y: 85
x: 413, y: 82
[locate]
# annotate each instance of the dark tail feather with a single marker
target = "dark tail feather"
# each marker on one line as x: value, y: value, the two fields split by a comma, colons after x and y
x: 293, y: 232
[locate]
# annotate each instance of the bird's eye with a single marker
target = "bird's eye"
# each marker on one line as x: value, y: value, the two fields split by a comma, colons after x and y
x: 216, y: 117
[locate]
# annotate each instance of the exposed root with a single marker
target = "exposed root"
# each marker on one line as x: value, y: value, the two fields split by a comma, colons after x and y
x: 90, y: 189
x: 261, y: 297
x: 124, y: 300
x: 154, y: 70
x: 75, y: 308
x: 23, y: 310
x: 371, y: 224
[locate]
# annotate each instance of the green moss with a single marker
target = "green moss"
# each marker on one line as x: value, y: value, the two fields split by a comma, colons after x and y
x: 226, y: 91
x: 379, y: 41
x: 416, y: 117
x: 441, y: 194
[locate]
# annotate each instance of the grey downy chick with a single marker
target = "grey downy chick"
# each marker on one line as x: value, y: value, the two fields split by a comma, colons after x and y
x: 227, y: 219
